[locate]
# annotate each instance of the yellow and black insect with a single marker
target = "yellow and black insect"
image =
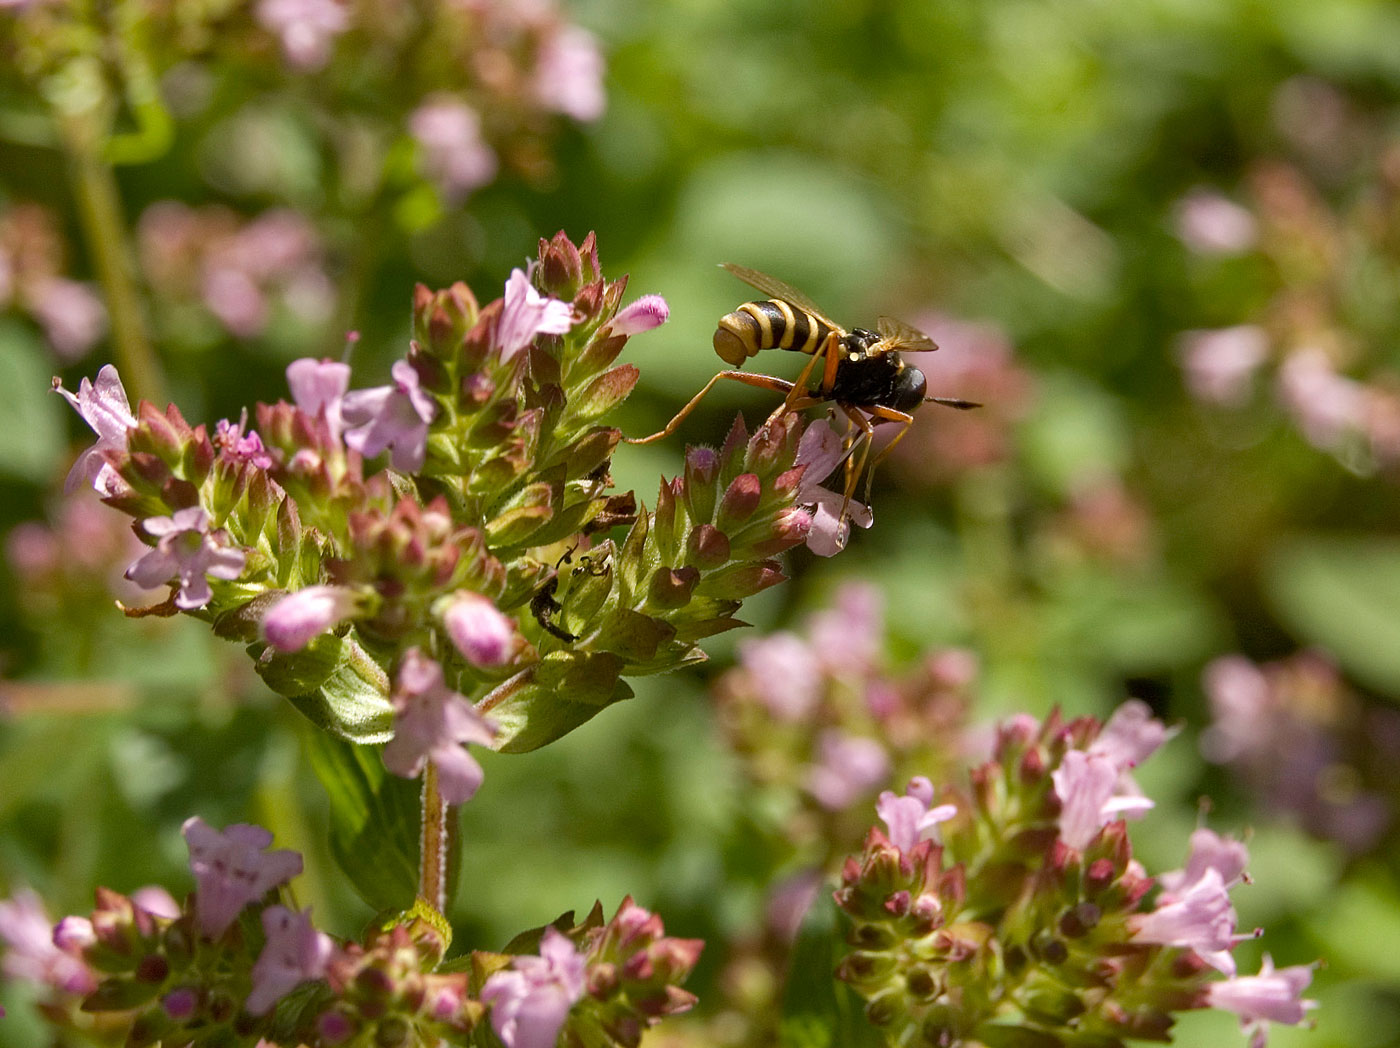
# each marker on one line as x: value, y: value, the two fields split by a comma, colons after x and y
x: 862, y: 373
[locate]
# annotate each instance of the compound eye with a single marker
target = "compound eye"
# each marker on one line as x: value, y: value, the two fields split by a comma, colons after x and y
x: 909, y: 389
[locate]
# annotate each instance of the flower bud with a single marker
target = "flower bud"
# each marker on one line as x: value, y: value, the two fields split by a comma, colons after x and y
x: 740, y: 500
x: 293, y: 622
x: 483, y: 635
x: 707, y: 546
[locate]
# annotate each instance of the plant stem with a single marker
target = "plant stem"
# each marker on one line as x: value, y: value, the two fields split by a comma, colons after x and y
x: 100, y: 211
x: 432, y: 845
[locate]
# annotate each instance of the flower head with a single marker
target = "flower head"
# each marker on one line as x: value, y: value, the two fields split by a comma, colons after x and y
x: 394, y: 416
x: 448, y: 132
x: 231, y: 870
x: 530, y: 1001
x: 433, y: 722
x: 103, y: 406
x: 783, y: 671
x: 185, y: 549
x: 306, y: 28
x: 526, y: 313
x: 569, y: 74
x: 294, y: 953
x: 848, y: 768
x: 820, y: 452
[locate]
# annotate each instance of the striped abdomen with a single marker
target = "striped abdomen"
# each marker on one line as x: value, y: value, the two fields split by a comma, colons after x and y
x: 770, y: 324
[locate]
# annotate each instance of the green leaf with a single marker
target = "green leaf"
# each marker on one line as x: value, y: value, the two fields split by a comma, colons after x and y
x: 374, y: 818
x: 818, y: 1010
x: 335, y: 684
x: 31, y: 430
x: 547, y: 701
x: 1343, y: 593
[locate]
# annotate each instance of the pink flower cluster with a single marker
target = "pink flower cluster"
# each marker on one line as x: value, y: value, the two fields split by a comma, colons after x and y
x: 31, y: 279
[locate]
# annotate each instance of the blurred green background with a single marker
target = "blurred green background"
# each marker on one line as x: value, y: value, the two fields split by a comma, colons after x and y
x: 1014, y: 175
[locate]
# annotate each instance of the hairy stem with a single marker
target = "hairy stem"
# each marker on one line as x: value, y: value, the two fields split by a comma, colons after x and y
x: 100, y: 212
x: 432, y: 845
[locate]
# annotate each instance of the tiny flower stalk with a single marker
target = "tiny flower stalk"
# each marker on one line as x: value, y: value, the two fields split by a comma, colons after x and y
x: 1014, y: 912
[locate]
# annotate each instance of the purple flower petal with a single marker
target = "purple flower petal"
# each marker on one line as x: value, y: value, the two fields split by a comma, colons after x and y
x: 231, y: 870
x: 526, y: 313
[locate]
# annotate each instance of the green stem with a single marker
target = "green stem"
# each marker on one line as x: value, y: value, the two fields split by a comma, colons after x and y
x: 432, y: 845
x: 100, y: 211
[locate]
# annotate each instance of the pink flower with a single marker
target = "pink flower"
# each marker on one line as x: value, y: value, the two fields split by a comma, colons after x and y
x: 104, y: 407
x: 910, y: 818
x: 1209, y: 851
x: 849, y: 638
x: 295, y: 952
x: 32, y: 953
x: 820, y: 451
x: 783, y: 671
x: 649, y: 311
x: 1198, y: 918
x: 295, y: 620
x: 1243, y: 706
x: 319, y: 385
x: 238, y: 443
x: 394, y: 416
x: 531, y: 1001
x: 569, y: 74
x: 306, y: 28
x: 231, y: 870
x: 526, y: 313
x: 453, y: 154
x: 1219, y: 364
x: 1131, y: 735
x: 156, y: 901
x: 1211, y: 224
x: 433, y: 722
x: 1270, y: 996
x: 483, y: 635
x: 186, y: 550
x: 1085, y: 784
x: 1326, y: 405
x: 848, y: 768
x: 72, y: 315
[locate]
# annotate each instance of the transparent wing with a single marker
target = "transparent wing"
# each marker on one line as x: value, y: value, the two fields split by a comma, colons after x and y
x: 775, y: 288
x: 904, y: 336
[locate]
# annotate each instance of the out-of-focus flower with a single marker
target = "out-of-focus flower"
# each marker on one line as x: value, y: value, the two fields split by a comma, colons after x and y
x: 784, y: 673
x: 306, y: 28
x: 1131, y: 735
x: 295, y: 952
x: 238, y: 443
x: 1220, y: 364
x: 231, y: 870
x: 530, y: 1001
x: 1270, y: 996
x: 32, y: 955
x: 847, y: 768
x: 72, y: 315
x: 1326, y: 405
x: 1210, y: 223
x: 156, y: 901
x: 394, y: 416
x: 569, y: 73
x: 820, y: 452
x: 448, y: 132
x: 1209, y: 851
x: 483, y: 635
x: 187, y: 550
x: 526, y: 313
x: 103, y: 406
x: 296, y: 619
x: 433, y: 722
x: 849, y: 637
x: 911, y: 818
x: 648, y: 312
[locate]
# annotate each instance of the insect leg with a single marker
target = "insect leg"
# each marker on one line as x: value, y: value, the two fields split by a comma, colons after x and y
x: 777, y: 385
x: 884, y: 414
x: 867, y: 435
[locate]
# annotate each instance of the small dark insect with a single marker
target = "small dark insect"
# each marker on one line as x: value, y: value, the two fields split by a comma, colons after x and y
x: 862, y: 373
x: 544, y: 607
